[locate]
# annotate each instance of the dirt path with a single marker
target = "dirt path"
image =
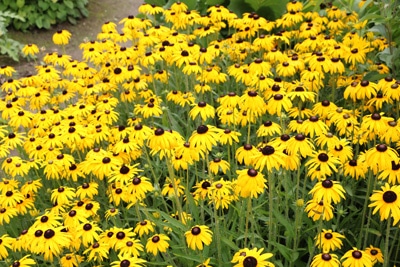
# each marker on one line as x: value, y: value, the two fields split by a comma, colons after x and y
x: 100, y: 11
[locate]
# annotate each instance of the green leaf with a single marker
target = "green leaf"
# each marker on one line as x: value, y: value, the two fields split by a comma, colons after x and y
x: 39, y: 22
x: 192, y: 258
x: 20, y: 3
x: 72, y: 20
x: 229, y: 243
x: 239, y: 7
x: 61, y: 15
x: 43, y: 5
x: 156, y: 2
x: 285, y: 222
x: 214, y: 2
x: 374, y: 232
x: 285, y: 251
x: 46, y: 23
x: 270, y: 9
x: 69, y: 4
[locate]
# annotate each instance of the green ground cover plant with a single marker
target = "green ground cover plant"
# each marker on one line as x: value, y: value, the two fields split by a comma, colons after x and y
x: 42, y: 14
x: 207, y: 140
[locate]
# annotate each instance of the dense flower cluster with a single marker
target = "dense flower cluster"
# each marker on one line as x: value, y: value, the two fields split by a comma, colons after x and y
x: 169, y: 138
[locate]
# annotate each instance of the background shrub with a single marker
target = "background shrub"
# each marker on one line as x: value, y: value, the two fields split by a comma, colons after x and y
x: 44, y: 13
x: 8, y: 46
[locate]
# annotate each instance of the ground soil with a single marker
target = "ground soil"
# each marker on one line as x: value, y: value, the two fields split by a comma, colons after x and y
x: 100, y: 11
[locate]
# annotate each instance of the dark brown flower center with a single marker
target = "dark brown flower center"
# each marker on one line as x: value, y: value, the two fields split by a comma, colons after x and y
x: 252, y: 172
x: 323, y: 157
x: 49, y: 233
x: 125, y: 263
x: 202, y: 129
x: 250, y: 261
x: 328, y: 235
x: 381, y: 147
x: 196, y: 230
x: 120, y: 235
x: 326, y: 257
x: 389, y: 196
x: 356, y: 254
x: 327, y: 183
x: 268, y: 150
x: 155, y: 239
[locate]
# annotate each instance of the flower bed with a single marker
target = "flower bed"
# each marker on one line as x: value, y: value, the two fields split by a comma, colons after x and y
x: 214, y: 140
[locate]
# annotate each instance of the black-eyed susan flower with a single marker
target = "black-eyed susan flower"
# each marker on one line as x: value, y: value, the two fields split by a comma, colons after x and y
x: 131, y: 247
x: 6, y: 214
x: 6, y: 70
x: 62, y: 195
x: 270, y: 158
x: 252, y: 258
x: 325, y: 260
x: 172, y: 188
x: 245, y: 154
x: 25, y: 261
x: 202, y: 190
x: 319, y: 209
x: 88, y: 232
x: 328, y: 191
x: 30, y: 50
x: 98, y: 251
x: 250, y: 183
x: 218, y: 165
x: 329, y: 241
x: 324, y: 161
x: 162, y: 141
x: 277, y: 103
x: 355, y: 257
x: 71, y: 260
x: 203, y: 110
x: 6, y: 243
x: 87, y: 190
x: 61, y: 37
x: 380, y: 157
x: 126, y: 261
x: 198, y: 236
x: 252, y: 103
x: 157, y: 243
x: 375, y: 254
x: 355, y: 168
x: 314, y: 126
x: 144, y: 227
x: 206, y: 136
x: 269, y: 128
x: 50, y: 242
x: 301, y: 145
x: 387, y: 202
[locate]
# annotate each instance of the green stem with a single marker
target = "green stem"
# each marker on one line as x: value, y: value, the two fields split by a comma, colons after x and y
x: 174, y: 183
x: 217, y: 236
x: 271, y: 232
x: 368, y: 219
x: 365, y: 208
x: 319, y: 230
x: 386, y: 250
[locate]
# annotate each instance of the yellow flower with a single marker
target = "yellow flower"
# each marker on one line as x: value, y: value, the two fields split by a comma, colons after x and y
x: 157, y: 243
x: 61, y: 37
x: 30, y: 50
x: 355, y: 257
x: 329, y: 240
x: 387, y: 202
x: 198, y: 236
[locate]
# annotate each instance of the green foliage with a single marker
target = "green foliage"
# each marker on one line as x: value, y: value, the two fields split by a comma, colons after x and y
x: 383, y: 17
x: 270, y: 9
x: 8, y: 46
x: 44, y: 13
